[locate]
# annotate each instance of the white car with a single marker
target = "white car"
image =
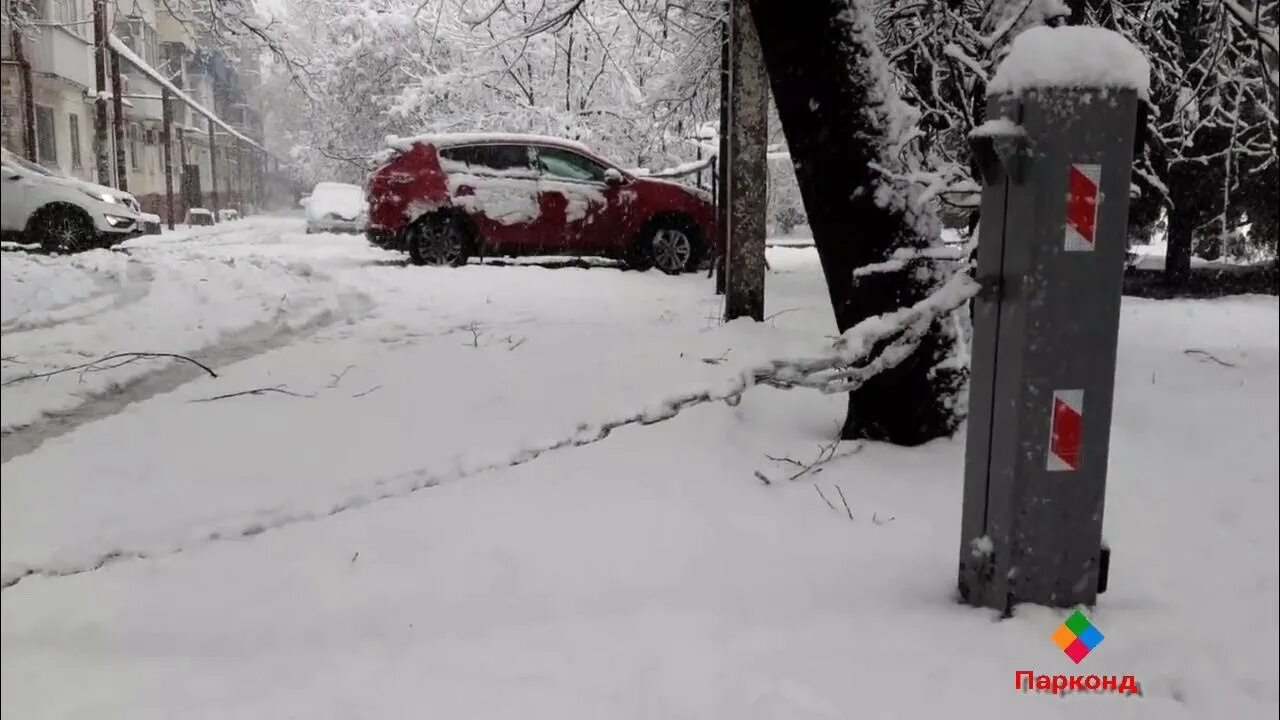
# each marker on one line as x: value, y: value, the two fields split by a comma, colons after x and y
x: 62, y: 214
x: 336, y: 207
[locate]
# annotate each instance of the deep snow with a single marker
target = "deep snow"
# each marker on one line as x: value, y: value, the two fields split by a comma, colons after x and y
x: 650, y: 574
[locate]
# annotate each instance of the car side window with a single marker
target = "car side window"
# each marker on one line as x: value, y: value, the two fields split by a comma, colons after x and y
x: 567, y: 165
x: 506, y: 157
x: 464, y: 155
x: 503, y: 158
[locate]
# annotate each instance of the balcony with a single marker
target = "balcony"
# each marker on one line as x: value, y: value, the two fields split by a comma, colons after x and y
x: 56, y: 52
x: 140, y: 84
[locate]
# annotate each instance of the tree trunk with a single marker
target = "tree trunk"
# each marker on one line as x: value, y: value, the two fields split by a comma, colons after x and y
x: 748, y: 178
x: 838, y: 112
x: 166, y: 141
x: 101, y: 144
x: 722, y: 162
x: 213, y: 170
x: 117, y: 122
x: 1182, y: 223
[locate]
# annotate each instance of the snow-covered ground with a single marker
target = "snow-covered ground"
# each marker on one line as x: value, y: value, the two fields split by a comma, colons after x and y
x: 380, y: 533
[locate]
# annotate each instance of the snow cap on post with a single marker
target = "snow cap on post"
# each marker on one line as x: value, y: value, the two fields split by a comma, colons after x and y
x: 1071, y: 57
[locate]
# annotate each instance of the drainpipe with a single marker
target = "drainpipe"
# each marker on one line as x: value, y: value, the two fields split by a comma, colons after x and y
x: 28, y: 100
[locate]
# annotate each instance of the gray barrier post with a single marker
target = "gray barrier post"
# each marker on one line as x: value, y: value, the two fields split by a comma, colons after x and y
x: 1056, y: 164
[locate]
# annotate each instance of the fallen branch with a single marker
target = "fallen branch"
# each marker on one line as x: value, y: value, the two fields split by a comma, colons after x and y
x: 875, y: 520
x: 826, y: 453
x: 96, y: 365
x: 279, y: 389
x: 824, y: 497
x: 717, y: 359
x: 337, y: 377
x: 366, y: 392
x: 1209, y: 355
x: 846, y: 502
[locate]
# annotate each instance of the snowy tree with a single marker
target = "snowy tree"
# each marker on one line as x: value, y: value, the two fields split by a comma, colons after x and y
x: 625, y: 75
x: 1211, y: 119
x: 852, y: 139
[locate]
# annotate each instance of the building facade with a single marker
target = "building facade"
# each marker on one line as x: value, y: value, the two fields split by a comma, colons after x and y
x: 53, y: 123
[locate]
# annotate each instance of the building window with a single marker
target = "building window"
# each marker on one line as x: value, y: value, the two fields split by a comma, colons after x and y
x: 69, y: 15
x: 141, y: 38
x: 46, y: 136
x: 134, y: 160
x: 74, y: 122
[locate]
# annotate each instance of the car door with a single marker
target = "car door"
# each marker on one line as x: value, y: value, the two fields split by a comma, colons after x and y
x: 590, y: 203
x: 497, y: 186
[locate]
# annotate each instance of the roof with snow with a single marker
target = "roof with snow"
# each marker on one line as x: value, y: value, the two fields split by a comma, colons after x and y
x: 1071, y: 57
x: 453, y: 139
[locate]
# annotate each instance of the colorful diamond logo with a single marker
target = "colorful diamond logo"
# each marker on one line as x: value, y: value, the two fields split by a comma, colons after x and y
x: 1077, y: 637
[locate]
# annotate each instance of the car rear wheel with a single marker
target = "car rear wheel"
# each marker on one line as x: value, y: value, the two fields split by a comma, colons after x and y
x: 672, y: 246
x: 63, y: 228
x: 439, y: 240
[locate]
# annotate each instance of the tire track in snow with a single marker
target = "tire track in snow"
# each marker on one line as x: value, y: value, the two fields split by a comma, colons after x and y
x: 232, y: 348
x: 387, y: 488
x: 137, y: 285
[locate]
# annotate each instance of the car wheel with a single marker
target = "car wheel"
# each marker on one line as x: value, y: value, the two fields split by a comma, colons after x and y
x: 64, y: 229
x: 439, y: 240
x: 672, y: 246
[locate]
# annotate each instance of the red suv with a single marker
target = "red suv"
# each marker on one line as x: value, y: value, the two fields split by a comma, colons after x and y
x: 444, y: 198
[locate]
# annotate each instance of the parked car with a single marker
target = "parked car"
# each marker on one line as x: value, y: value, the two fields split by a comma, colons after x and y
x: 336, y: 207
x: 444, y: 198
x: 149, y: 223
x: 62, y: 214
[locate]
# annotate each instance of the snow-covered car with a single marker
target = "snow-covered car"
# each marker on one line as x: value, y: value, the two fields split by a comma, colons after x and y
x: 199, y: 216
x: 336, y: 207
x: 446, y: 197
x: 62, y: 214
x: 150, y: 223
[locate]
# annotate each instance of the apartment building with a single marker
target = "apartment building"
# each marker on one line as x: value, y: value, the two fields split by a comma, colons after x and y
x: 55, y: 51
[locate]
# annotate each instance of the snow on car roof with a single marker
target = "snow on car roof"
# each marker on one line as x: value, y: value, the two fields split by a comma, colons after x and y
x: 1082, y: 57
x: 452, y: 139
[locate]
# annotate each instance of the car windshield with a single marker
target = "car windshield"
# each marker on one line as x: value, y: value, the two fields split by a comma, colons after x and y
x: 340, y: 198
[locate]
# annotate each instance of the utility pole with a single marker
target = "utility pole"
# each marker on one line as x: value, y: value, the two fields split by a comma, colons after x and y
x: 166, y: 140
x: 117, y: 122
x: 722, y: 159
x: 748, y: 176
x: 101, y: 148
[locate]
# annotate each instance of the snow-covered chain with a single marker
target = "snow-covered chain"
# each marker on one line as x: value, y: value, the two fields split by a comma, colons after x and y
x: 830, y: 373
